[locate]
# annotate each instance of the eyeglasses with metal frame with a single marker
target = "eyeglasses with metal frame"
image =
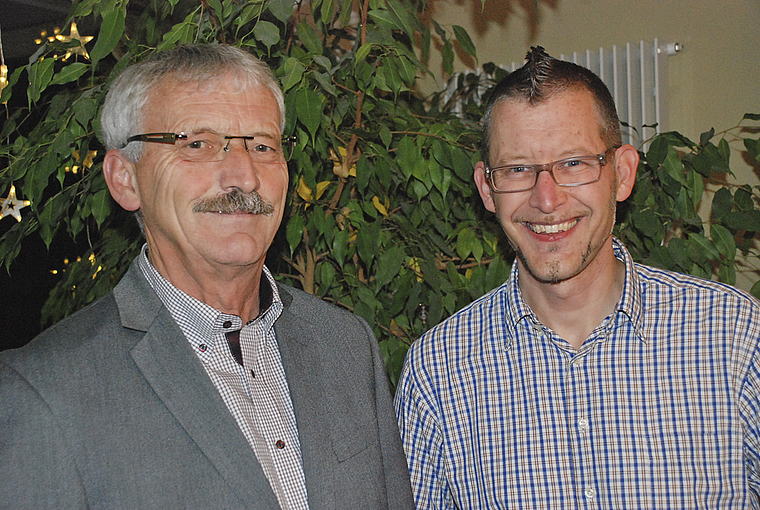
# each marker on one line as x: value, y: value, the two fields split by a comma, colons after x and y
x: 569, y: 172
x: 208, y: 147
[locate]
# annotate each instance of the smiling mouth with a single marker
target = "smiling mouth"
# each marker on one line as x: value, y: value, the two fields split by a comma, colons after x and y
x: 551, y: 229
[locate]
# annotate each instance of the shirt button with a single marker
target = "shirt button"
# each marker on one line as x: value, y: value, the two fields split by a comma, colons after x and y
x: 227, y: 324
x: 583, y: 424
x: 202, y: 347
x: 280, y: 444
x: 589, y: 493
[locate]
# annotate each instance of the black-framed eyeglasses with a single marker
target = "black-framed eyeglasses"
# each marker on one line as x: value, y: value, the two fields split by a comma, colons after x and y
x: 208, y: 147
x: 569, y: 172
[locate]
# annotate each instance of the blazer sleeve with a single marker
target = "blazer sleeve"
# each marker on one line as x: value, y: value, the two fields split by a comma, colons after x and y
x: 394, y: 462
x: 36, y: 461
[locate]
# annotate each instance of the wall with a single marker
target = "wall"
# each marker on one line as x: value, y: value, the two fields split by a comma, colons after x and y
x: 711, y: 83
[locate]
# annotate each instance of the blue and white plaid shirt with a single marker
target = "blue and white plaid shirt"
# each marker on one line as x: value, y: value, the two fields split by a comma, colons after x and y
x: 658, y: 409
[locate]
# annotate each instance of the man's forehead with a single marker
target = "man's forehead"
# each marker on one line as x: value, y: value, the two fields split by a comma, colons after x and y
x: 206, y: 104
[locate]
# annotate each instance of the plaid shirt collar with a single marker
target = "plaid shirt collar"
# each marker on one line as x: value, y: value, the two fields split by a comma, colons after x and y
x: 629, y: 306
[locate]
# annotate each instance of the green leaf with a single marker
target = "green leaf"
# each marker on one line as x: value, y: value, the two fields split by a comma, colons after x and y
x: 69, y: 73
x: 447, y: 52
x: 40, y: 74
x: 406, y: 21
x: 752, y: 116
x: 326, y: 83
x: 326, y: 11
x: 705, y: 137
x: 309, y: 109
x: 724, y: 241
x: 743, y: 220
x: 753, y: 147
x: 389, y: 264
x: 385, y: 135
x: 464, y: 41
x: 111, y: 30
x: 267, y: 33
x: 722, y: 204
x: 466, y: 241
x: 5, y: 95
x: 361, y: 54
x: 367, y: 239
x: 249, y: 12
x: 658, y: 150
x: 744, y: 199
x: 293, y: 73
x: 705, y: 245
x: 101, y: 206
x: 755, y: 290
x: 216, y: 5
x: 294, y: 231
x: 340, y: 246
x: 282, y: 9
x: 673, y: 167
x: 309, y: 38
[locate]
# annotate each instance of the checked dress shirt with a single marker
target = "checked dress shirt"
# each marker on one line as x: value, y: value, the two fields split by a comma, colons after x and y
x: 657, y: 409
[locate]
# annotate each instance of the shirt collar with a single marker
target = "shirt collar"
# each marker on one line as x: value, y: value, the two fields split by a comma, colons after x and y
x: 200, y: 322
x: 629, y: 304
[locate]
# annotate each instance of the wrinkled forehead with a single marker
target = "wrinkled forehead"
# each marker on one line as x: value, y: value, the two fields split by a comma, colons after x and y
x: 223, y: 99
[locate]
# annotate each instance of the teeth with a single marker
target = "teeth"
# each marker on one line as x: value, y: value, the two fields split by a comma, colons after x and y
x: 552, y: 229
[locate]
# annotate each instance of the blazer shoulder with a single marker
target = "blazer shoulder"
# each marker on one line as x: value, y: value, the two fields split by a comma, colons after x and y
x: 311, y: 308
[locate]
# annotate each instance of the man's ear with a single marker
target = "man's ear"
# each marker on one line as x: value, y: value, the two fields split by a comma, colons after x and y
x: 120, y: 178
x: 626, y: 164
x: 483, y: 188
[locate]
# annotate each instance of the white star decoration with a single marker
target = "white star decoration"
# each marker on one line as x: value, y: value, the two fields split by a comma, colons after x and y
x: 12, y: 206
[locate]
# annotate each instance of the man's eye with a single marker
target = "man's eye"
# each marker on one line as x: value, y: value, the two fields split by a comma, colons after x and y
x: 573, y: 163
x: 261, y: 147
x: 198, y: 144
x: 518, y: 169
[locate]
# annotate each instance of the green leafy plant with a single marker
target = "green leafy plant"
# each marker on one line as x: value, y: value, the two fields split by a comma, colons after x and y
x: 383, y: 218
x: 662, y: 225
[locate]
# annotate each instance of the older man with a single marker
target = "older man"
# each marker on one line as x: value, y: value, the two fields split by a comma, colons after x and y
x: 200, y: 382
x: 585, y: 380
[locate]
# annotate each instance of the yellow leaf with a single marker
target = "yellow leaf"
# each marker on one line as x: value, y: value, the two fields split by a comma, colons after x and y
x: 304, y: 191
x: 379, y: 206
x: 414, y: 265
x: 321, y: 187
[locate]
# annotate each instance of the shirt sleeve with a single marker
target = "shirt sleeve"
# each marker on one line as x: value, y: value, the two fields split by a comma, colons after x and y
x: 423, y: 443
x: 750, y: 404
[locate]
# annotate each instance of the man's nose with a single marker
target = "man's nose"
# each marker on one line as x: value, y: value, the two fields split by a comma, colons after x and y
x: 239, y: 169
x: 546, y: 195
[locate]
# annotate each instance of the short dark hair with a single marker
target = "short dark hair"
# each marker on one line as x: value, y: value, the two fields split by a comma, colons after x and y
x: 542, y: 77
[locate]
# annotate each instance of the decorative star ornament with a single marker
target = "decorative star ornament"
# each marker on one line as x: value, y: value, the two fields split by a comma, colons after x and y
x: 12, y: 206
x: 74, y: 36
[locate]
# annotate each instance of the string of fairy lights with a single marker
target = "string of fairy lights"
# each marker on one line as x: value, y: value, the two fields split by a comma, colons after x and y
x: 12, y: 205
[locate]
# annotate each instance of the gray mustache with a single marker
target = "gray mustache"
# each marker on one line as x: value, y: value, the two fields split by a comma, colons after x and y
x: 235, y: 201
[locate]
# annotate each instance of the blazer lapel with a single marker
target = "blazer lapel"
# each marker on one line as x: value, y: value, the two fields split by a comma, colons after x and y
x: 300, y: 353
x: 177, y: 376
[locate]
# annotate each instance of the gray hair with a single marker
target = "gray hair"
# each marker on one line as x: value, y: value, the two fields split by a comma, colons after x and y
x: 123, y: 115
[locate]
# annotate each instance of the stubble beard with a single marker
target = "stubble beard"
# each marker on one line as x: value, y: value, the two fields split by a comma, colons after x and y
x: 553, y: 270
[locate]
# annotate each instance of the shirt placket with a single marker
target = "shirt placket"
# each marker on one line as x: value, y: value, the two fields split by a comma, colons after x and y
x: 276, y: 421
x: 581, y: 423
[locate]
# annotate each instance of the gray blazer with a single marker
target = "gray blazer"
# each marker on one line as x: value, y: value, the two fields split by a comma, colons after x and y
x: 111, y: 408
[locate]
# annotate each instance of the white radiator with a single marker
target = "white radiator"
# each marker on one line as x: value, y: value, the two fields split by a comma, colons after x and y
x: 636, y: 75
